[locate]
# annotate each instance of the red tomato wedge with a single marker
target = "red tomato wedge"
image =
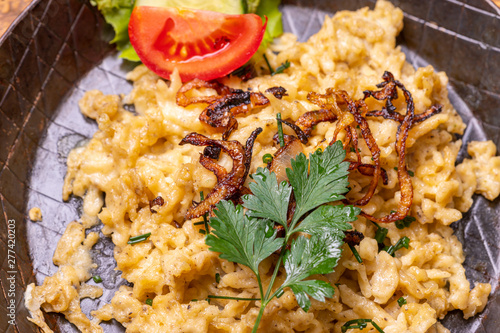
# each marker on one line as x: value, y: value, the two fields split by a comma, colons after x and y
x: 200, y: 44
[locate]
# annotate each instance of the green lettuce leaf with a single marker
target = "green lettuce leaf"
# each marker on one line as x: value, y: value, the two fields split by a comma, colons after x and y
x: 117, y: 14
x: 269, y: 9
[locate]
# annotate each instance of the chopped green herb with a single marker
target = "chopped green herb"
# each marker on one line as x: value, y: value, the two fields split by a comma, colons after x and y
x: 280, y: 130
x: 360, y: 324
x: 248, y: 237
x: 97, y: 279
x: 205, y: 216
x: 138, y: 239
x: 353, y: 150
x: 199, y: 223
x: 233, y: 298
x: 380, y: 234
x: 217, y: 277
x: 396, y: 168
x: 281, y: 68
x: 271, y: 70
x: 401, y: 301
x: 202, y: 231
x: 402, y: 242
x: 278, y: 70
x: 267, y: 158
x: 194, y: 300
x: 411, y: 173
x: 149, y: 302
x: 405, y: 223
x: 356, y: 254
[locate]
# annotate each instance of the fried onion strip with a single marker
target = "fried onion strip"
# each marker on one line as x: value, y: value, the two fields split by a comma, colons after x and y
x: 401, y: 136
x: 278, y: 92
x: 308, y: 120
x: 328, y: 103
x: 223, y: 107
x: 228, y: 184
x: 300, y: 134
x: 183, y: 100
x: 370, y: 142
x: 368, y: 170
x: 384, y: 113
x: 210, y: 165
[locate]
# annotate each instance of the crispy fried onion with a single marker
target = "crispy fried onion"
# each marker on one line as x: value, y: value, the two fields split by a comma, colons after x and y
x: 329, y: 102
x: 389, y: 93
x: 306, y: 122
x: 223, y: 107
x: 278, y: 92
x: 353, y: 237
x: 229, y: 184
x: 353, y: 118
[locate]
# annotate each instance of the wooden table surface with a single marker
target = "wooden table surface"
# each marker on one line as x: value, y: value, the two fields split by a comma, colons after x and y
x: 9, y: 10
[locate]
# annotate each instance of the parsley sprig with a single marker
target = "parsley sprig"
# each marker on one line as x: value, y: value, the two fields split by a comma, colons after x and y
x: 248, y: 237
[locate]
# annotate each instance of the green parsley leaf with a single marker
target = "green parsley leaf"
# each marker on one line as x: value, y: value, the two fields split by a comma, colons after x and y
x: 309, y: 256
x: 322, y: 180
x: 241, y: 239
x: 317, y: 289
x: 269, y: 199
x: 329, y: 219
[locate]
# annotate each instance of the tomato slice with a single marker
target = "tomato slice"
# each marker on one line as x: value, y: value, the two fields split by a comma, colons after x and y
x: 201, y: 44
